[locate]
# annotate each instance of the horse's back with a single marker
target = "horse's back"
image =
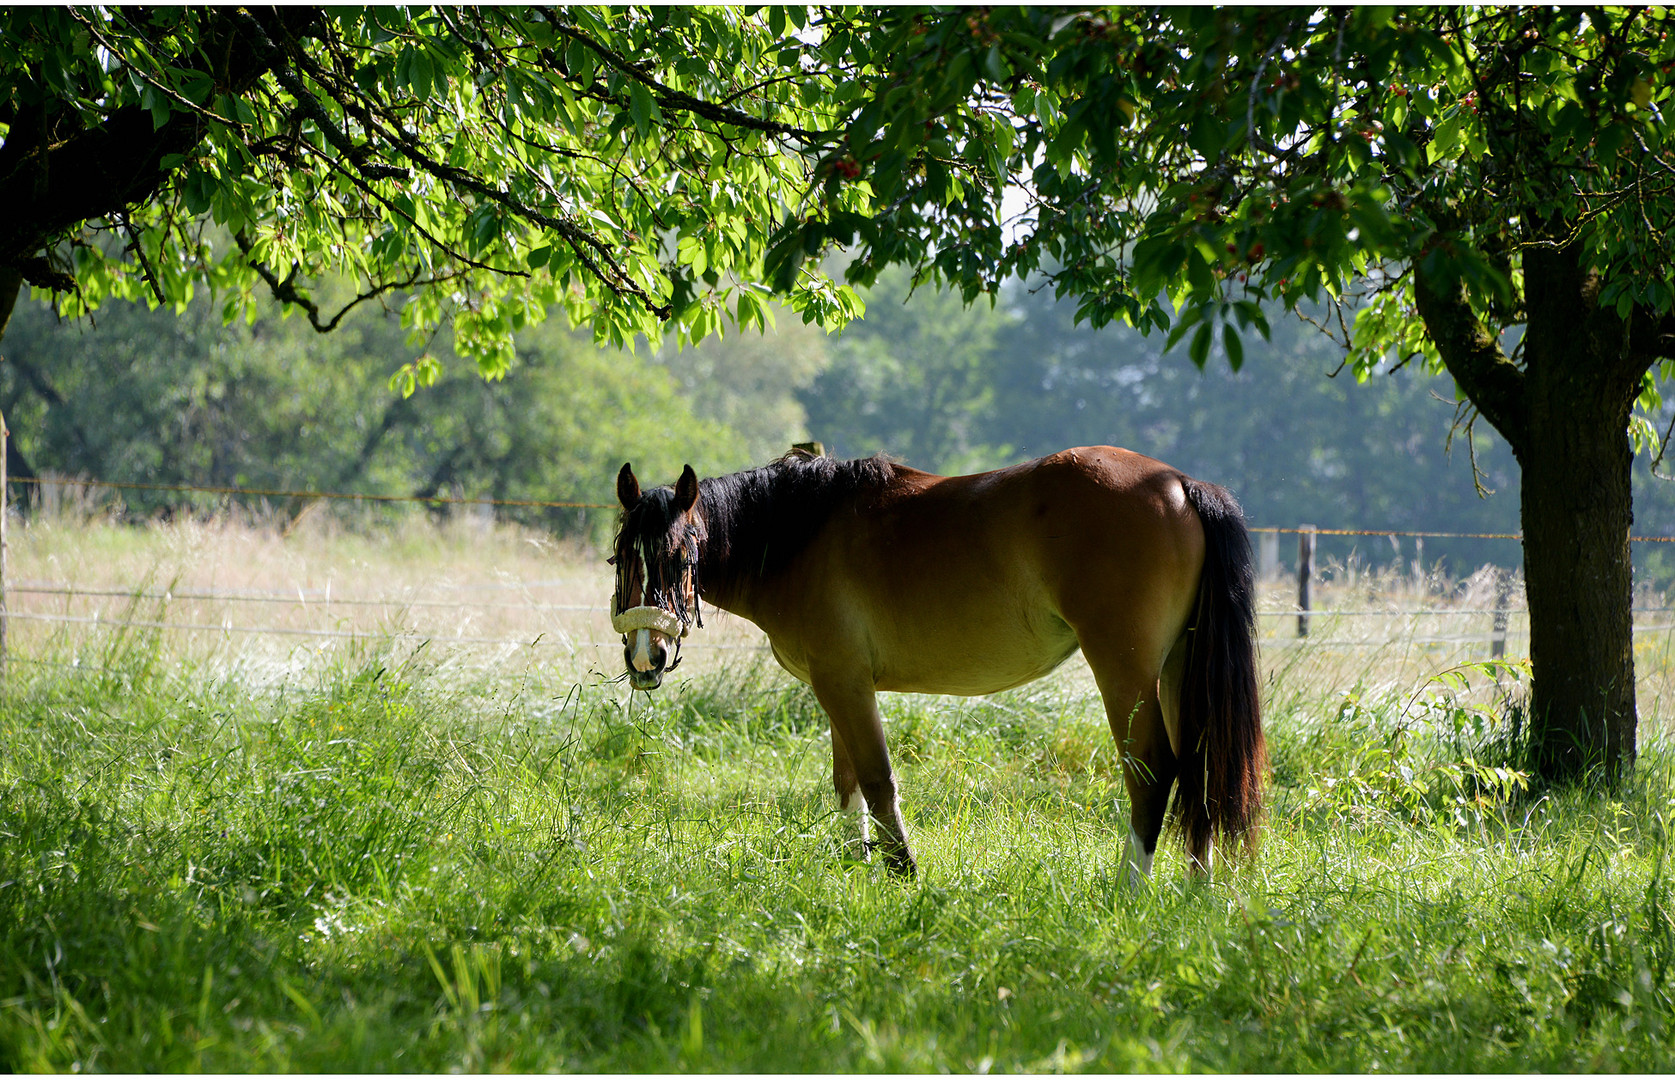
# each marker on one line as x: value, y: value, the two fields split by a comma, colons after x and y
x: 970, y: 584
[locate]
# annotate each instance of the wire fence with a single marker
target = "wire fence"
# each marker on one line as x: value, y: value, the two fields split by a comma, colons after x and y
x: 322, y: 601
x: 559, y: 619
x: 325, y: 600
x: 306, y: 495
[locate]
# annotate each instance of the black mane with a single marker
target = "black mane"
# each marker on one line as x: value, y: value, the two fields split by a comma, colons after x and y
x: 760, y: 519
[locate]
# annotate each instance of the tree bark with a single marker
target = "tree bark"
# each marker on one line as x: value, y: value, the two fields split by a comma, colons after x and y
x: 1576, y: 514
x: 1581, y: 379
x: 53, y: 180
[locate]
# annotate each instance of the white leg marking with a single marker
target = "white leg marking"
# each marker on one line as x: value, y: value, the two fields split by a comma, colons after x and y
x: 1137, y: 859
x: 854, y: 807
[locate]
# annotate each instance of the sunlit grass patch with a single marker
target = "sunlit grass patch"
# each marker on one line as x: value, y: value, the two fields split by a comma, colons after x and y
x: 393, y: 861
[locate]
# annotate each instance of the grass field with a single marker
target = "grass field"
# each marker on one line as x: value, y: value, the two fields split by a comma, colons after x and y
x: 412, y: 850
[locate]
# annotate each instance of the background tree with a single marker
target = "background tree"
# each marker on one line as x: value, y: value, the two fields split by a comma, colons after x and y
x: 1294, y: 442
x: 916, y: 378
x: 752, y: 382
x: 159, y: 398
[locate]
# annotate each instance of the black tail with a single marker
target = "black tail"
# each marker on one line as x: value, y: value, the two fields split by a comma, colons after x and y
x: 1224, y: 759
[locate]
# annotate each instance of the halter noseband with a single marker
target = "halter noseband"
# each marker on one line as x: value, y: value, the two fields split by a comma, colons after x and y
x: 648, y: 617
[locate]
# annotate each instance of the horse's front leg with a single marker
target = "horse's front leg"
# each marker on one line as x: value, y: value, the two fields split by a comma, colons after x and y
x: 851, y: 803
x: 852, y: 705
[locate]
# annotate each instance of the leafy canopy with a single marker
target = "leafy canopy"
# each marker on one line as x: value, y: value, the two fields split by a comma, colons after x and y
x: 641, y: 165
x: 626, y: 165
x: 1224, y: 157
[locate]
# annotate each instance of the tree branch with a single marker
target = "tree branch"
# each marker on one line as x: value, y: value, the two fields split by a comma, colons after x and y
x: 606, y: 269
x: 11, y: 284
x: 665, y: 96
x: 1488, y: 376
x: 180, y: 100
x: 285, y: 290
x: 98, y: 171
x: 310, y: 107
x: 41, y: 274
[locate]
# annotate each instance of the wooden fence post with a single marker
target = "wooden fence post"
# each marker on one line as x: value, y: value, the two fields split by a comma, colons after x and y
x: 1305, y: 575
x: 1268, y: 561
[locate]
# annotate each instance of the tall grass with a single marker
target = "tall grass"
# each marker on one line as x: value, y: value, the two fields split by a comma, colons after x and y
x: 389, y: 861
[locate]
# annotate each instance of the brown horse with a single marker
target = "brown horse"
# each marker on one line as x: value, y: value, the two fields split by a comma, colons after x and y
x: 868, y: 576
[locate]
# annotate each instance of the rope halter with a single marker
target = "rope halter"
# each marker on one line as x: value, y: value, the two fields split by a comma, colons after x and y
x: 648, y: 617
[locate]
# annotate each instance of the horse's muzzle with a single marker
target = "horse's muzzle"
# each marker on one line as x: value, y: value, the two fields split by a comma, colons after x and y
x: 646, y: 657
x: 646, y: 634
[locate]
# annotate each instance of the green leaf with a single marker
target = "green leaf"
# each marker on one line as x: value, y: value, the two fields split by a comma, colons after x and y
x: 1199, y: 350
x: 158, y: 104
x: 1445, y: 139
x: 749, y: 309
x: 197, y: 191
x: 784, y: 258
x: 1208, y: 136
x: 580, y: 60
x: 197, y: 88
x: 1190, y: 318
x: 1235, y: 348
x: 421, y: 74
x: 643, y: 108
x: 995, y: 65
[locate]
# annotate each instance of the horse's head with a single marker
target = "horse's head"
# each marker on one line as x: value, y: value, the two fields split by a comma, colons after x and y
x: 656, y: 559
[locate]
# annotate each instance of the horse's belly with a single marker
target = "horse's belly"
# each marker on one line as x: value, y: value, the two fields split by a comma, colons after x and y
x: 973, y: 666
x: 959, y: 664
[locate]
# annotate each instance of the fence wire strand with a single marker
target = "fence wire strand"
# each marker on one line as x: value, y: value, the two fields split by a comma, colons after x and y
x: 326, y: 598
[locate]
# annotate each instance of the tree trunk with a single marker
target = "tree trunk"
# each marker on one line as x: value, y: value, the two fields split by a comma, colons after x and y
x: 1579, y: 387
x: 1576, y: 515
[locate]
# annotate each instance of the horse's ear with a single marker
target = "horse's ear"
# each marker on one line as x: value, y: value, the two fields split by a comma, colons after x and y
x: 686, y: 491
x: 627, y: 488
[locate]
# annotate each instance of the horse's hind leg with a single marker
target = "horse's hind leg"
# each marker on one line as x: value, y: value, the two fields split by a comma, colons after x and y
x: 851, y: 803
x: 1135, y: 713
x: 1169, y: 695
